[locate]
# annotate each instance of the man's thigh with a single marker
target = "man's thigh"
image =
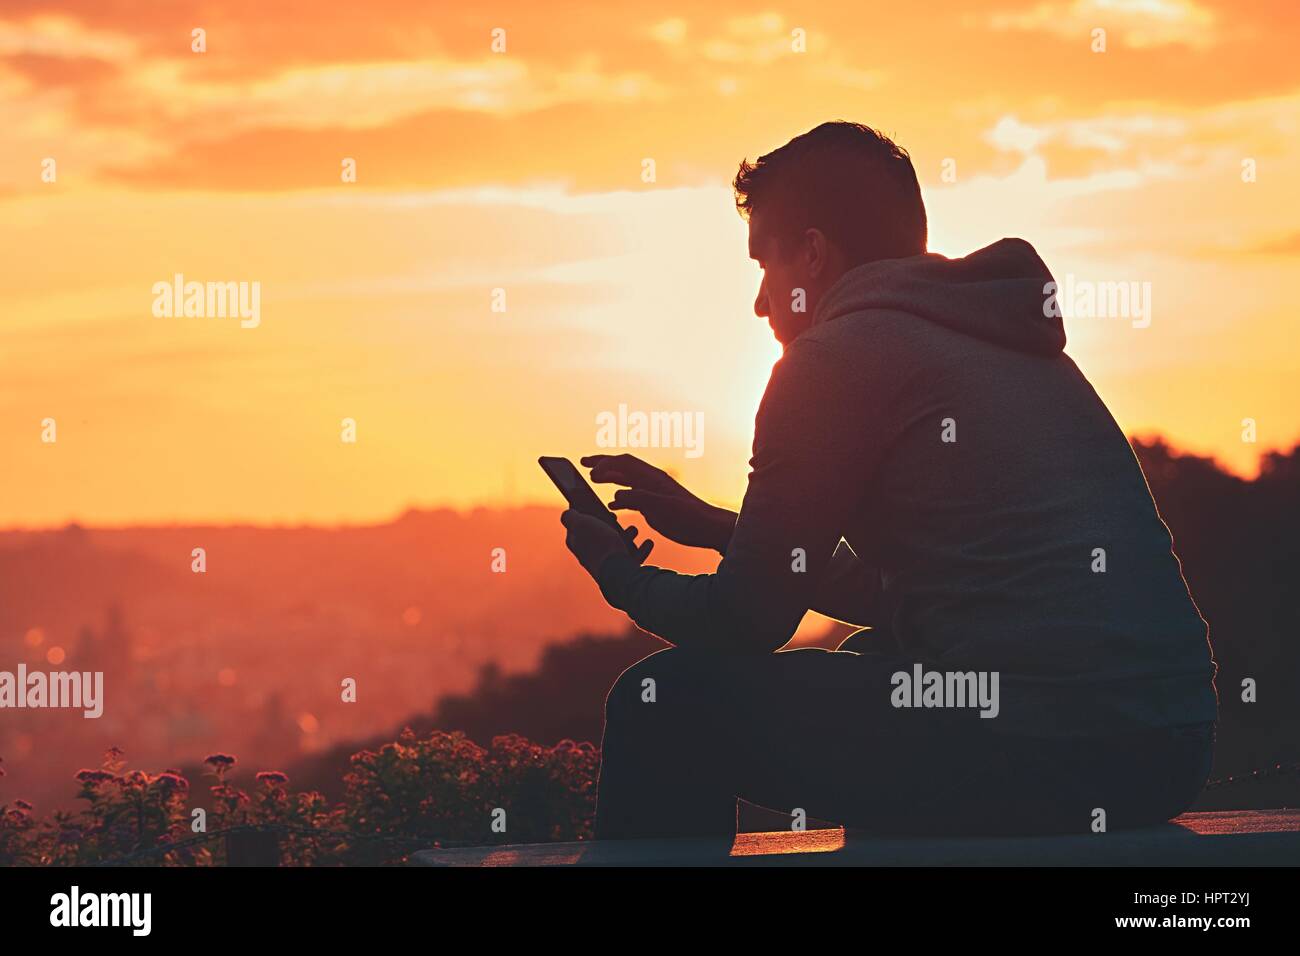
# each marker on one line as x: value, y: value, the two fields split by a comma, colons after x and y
x: 818, y: 730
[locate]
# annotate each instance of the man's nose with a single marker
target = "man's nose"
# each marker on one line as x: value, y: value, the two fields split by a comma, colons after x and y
x: 760, y: 301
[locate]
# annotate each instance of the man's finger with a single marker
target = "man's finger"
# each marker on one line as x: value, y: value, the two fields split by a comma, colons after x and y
x: 572, y: 519
x: 622, y: 469
x: 635, y: 499
x: 623, y: 460
x: 643, y: 552
x: 626, y: 498
x: 602, y: 466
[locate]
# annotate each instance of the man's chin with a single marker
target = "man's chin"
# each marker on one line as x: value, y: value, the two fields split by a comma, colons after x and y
x: 787, y: 332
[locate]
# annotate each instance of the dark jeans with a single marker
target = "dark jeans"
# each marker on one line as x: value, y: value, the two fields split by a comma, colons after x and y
x: 815, y: 730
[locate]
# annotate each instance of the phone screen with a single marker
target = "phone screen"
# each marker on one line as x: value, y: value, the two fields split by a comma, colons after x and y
x: 580, y: 495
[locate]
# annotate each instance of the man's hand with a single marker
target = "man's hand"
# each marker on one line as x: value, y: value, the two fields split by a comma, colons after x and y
x: 666, y: 506
x: 592, y: 541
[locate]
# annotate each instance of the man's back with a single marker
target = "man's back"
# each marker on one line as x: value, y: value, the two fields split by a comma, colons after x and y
x: 1009, y: 518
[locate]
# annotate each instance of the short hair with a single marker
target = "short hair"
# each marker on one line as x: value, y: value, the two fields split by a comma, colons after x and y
x: 853, y: 183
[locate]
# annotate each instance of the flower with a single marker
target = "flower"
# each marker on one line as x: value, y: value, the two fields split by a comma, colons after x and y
x: 219, y: 761
x: 273, y: 778
x: 92, y: 777
x: 170, y: 780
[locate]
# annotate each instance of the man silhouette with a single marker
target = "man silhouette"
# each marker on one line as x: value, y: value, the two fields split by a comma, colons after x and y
x: 927, y: 462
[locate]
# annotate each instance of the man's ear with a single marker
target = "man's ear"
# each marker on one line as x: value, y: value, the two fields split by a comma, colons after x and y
x: 817, y: 250
x: 825, y: 258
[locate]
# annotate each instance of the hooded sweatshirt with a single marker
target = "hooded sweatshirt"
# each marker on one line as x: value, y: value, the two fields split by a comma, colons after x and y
x: 929, y: 417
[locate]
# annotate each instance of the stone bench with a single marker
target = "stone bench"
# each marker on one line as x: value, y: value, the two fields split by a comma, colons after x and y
x: 1225, y: 838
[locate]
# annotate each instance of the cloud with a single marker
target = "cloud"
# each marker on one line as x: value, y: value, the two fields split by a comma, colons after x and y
x: 64, y: 37
x: 368, y: 95
x: 1285, y: 246
x: 1109, y: 134
x: 1138, y: 23
x: 755, y: 40
x: 116, y: 95
x: 1011, y: 135
x: 104, y: 104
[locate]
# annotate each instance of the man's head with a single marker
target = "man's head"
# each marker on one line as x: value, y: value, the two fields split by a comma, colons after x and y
x: 836, y: 197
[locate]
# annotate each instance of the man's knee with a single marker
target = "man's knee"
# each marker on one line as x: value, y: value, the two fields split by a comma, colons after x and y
x: 673, y: 678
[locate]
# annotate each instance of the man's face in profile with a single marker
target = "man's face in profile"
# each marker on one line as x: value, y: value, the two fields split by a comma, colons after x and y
x: 783, y: 272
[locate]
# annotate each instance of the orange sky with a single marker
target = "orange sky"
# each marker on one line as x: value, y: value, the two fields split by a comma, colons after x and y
x: 522, y: 170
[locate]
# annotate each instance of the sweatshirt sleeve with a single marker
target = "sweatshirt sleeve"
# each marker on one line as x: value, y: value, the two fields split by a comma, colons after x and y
x: 814, y: 454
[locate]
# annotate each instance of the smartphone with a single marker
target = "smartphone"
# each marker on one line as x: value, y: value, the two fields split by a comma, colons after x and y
x: 578, y: 493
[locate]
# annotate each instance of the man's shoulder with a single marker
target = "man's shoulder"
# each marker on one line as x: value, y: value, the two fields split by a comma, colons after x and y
x: 858, y: 359
x: 866, y: 328
x: 872, y: 338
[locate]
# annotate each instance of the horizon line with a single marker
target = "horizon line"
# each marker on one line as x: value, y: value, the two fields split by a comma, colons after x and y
x: 463, y: 510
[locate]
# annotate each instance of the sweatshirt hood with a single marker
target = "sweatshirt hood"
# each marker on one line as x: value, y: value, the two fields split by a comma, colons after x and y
x: 996, y: 294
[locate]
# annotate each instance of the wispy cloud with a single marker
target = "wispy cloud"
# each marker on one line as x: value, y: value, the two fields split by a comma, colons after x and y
x: 1136, y: 23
